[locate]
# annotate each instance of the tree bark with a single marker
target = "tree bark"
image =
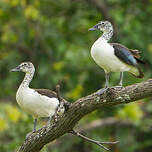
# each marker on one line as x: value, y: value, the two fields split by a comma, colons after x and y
x: 95, y: 124
x: 81, y: 107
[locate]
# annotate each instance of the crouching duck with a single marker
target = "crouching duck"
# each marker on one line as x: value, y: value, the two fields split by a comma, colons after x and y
x: 114, y: 57
x: 37, y: 102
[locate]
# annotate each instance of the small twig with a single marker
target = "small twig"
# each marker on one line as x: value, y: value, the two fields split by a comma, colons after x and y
x: 61, y: 107
x: 62, y: 101
x: 58, y: 93
x: 92, y: 140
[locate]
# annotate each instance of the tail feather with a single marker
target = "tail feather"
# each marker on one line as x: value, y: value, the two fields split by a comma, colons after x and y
x: 140, y: 61
x: 141, y: 74
x: 137, y: 72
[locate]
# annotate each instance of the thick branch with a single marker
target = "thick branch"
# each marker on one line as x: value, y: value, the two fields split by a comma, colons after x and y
x: 81, y: 107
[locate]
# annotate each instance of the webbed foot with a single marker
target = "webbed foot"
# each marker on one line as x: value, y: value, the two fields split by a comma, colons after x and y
x: 101, y: 91
x: 30, y: 133
x: 118, y: 86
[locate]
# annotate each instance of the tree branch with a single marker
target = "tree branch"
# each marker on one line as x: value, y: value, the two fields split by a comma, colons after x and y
x: 80, y: 108
x: 99, y: 123
x: 92, y: 140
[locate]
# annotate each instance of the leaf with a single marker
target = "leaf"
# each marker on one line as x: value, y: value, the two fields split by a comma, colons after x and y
x: 31, y: 12
x: 58, y: 65
x: 3, y: 124
x: 132, y: 112
x: 13, y: 113
x: 76, y: 92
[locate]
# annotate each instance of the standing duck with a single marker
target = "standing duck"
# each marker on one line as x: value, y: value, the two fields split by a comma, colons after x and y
x: 114, y: 57
x: 37, y: 102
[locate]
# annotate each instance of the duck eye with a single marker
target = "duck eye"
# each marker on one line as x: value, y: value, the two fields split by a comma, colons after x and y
x: 24, y: 64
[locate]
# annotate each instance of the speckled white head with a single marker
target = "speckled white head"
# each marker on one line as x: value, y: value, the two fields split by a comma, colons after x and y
x: 102, y: 26
x: 106, y: 27
x: 26, y: 67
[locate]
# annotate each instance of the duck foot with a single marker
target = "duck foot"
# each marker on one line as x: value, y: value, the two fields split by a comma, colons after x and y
x: 29, y: 134
x: 118, y: 86
x: 101, y: 91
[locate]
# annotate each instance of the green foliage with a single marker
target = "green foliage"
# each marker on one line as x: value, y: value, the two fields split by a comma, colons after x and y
x: 131, y: 112
x: 54, y: 36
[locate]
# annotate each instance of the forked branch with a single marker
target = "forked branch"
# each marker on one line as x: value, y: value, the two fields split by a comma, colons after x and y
x: 99, y: 143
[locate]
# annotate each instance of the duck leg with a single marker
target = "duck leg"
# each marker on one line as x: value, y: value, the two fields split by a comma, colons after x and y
x: 35, y: 123
x: 49, y: 121
x: 120, y: 82
x: 101, y: 91
x: 107, y: 75
x: 121, y: 79
x: 34, y: 129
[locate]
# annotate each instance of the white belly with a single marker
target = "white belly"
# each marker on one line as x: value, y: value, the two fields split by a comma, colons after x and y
x: 36, y: 104
x: 103, y: 55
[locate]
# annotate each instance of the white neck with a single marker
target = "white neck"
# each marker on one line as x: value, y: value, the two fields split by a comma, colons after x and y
x: 107, y: 34
x: 27, y: 79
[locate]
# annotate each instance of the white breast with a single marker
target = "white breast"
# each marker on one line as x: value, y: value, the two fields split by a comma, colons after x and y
x: 36, y: 104
x: 103, y: 55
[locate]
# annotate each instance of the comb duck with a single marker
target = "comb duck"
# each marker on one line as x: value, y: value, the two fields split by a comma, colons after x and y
x: 114, y: 57
x: 37, y: 102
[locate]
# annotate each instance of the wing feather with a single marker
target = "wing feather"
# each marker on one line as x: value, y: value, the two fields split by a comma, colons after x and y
x: 46, y: 92
x: 130, y: 57
x: 124, y: 54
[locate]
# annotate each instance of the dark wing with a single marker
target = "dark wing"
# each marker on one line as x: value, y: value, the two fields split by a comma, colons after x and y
x: 124, y: 54
x: 46, y: 92
x: 136, y: 54
x: 130, y: 57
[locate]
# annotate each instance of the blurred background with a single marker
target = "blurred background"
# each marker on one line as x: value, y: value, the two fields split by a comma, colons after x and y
x: 54, y: 36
